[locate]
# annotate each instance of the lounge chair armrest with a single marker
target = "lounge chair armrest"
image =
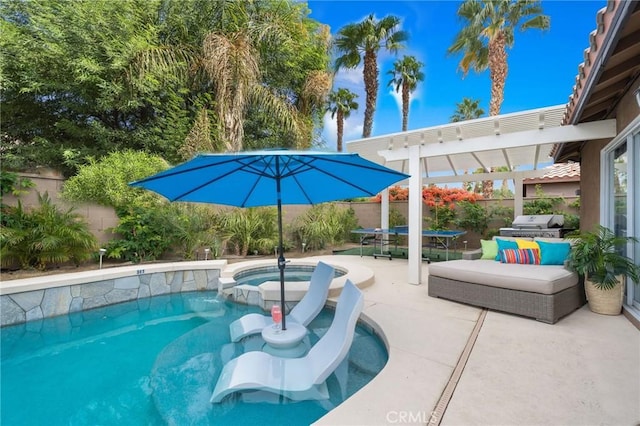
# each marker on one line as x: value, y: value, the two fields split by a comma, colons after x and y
x: 472, y: 254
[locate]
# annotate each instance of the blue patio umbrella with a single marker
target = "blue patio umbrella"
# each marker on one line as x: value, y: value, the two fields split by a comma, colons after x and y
x: 267, y: 178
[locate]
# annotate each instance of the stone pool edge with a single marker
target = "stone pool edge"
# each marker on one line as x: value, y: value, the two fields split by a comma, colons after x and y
x: 36, y: 298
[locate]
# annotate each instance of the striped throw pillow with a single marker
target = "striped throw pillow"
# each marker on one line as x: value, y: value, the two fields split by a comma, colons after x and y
x: 523, y: 256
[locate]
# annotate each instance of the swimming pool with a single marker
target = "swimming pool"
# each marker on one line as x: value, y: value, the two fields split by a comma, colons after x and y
x: 150, y: 362
x: 292, y: 273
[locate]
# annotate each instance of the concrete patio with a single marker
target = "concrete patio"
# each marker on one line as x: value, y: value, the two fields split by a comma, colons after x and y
x: 583, y: 370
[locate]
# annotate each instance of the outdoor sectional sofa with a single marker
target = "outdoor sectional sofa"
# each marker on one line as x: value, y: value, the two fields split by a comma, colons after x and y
x: 544, y: 292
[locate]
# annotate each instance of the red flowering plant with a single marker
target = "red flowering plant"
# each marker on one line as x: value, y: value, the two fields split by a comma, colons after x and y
x: 440, y: 200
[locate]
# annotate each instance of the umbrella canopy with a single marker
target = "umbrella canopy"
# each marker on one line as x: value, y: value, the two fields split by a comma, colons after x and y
x: 267, y: 178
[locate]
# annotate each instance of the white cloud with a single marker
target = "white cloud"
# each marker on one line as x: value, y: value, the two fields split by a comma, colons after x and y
x: 352, y: 129
x: 414, y: 97
x: 349, y: 77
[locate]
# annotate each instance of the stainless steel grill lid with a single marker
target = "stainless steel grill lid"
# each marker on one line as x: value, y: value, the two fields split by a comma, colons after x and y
x: 542, y: 221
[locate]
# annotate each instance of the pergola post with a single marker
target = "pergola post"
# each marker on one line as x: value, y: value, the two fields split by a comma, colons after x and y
x: 517, y: 196
x: 384, y: 214
x: 415, y: 216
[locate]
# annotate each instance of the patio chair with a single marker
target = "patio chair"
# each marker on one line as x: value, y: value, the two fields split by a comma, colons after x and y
x: 303, y: 313
x: 297, y: 378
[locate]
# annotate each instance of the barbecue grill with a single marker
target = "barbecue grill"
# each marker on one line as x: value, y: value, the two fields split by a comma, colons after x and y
x: 543, y: 225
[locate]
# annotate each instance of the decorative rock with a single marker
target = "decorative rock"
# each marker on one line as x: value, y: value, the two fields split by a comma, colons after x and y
x: 11, y: 312
x: 127, y: 283
x: 95, y: 289
x: 76, y: 290
x: 212, y: 279
x: 94, y: 302
x: 144, y: 291
x: 200, y: 278
x: 34, y: 314
x: 190, y: 285
x: 158, y: 284
x: 145, y: 278
x: 56, y: 301
x: 76, y: 304
x: 121, y: 295
x: 28, y: 300
x: 175, y: 280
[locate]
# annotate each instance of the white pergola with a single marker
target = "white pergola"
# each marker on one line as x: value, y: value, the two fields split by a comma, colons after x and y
x: 521, y: 141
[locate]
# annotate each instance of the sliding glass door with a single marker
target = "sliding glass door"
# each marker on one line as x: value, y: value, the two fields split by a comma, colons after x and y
x: 621, y: 196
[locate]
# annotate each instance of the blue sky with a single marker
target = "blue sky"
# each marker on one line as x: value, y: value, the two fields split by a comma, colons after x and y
x: 542, y: 65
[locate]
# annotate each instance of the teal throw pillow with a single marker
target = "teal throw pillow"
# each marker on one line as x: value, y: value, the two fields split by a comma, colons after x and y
x: 489, y: 249
x: 553, y: 253
x: 505, y: 245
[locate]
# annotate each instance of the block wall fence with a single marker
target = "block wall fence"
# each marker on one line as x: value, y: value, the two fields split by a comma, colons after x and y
x: 100, y: 218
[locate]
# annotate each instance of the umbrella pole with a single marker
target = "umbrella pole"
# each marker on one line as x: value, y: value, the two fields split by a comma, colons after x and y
x: 281, y: 261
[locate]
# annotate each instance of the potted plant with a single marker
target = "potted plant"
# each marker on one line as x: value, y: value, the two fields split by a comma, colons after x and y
x: 598, y: 257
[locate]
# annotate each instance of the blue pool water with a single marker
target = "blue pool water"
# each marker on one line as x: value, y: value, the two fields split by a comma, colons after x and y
x: 292, y: 273
x: 152, y: 362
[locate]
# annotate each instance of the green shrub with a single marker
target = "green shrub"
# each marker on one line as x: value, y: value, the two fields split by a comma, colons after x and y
x: 324, y: 224
x: 106, y: 181
x: 250, y: 230
x: 441, y: 217
x: 571, y: 221
x: 44, y: 236
x: 502, y: 214
x: 197, y: 226
x: 396, y: 218
x: 14, y: 184
x: 472, y: 217
x: 145, y: 233
x: 542, y: 204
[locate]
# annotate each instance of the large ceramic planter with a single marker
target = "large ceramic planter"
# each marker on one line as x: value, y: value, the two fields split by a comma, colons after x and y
x: 606, y: 302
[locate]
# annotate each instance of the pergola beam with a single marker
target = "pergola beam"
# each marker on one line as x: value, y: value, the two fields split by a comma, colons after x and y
x: 548, y: 136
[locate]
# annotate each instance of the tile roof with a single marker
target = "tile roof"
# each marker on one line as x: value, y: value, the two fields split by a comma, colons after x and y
x: 560, y: 172
x: 610, y: 68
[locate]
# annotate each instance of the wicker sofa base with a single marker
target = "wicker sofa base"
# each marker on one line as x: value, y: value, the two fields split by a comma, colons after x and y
x: 547, y: 308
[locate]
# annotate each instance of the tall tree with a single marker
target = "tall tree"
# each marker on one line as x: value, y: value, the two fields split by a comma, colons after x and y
x: 341, y: 103
x: 489, y: 27
x: 468, y: 109
x: 67, y: 91
x: 72, y: 87
x: 406, y: 74
x: 231, y: 61
x: 361, y: 42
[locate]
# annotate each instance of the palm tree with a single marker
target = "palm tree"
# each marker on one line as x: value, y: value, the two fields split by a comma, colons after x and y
x: 468, y: 109
x: 362, y: 41
x: 341, y: 103
x: 406, y: 74
x: 489, y: 31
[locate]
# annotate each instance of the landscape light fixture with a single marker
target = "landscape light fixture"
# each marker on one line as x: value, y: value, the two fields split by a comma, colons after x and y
x: 206, y: 253
x: 102, y: 252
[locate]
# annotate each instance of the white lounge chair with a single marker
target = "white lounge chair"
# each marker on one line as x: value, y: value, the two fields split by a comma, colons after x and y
x: 297, y: 378
x: 303, y: 313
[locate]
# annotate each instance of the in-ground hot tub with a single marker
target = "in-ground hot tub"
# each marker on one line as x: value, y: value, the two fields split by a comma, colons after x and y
x: 258, y: 282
